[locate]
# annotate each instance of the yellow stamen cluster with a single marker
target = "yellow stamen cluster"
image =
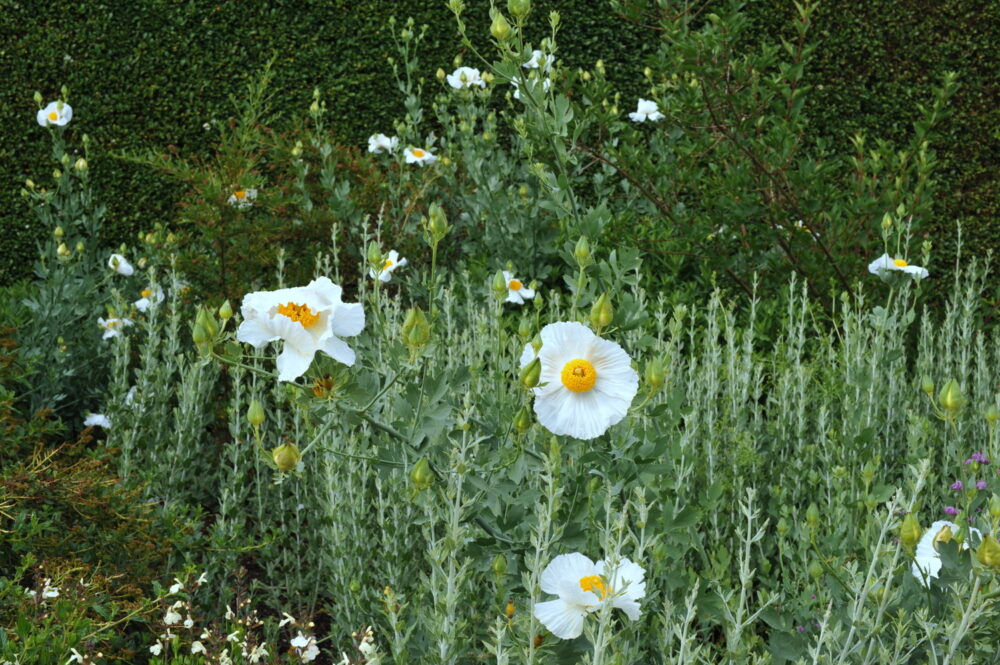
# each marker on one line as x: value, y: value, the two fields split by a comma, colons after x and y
x: 417, y: 152
x: 515, y: 285
x: 579, y: 375
x: 53, y: 116
x: 300, y: 313
x: 145, y: 293
x: 240, y: 194
x: 901, y: 263
x: 595, y: 584
x: 388, y: 264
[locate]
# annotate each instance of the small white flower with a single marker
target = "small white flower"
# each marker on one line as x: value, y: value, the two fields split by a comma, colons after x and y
x: 189, y: 622
x: 177, y: 586
x: 78, y: 657
x: 56, y: 113
x: 465, y: 77
x: 305, y: 648
x: 112, y: 326
x: 201, y: 579
x: 173, y: 617
x: 156, y: 649
x: 517, y: 292
x: 288, y: 619
x: 148, y: 297
x: 233, y: 636
x: 392, y: 262
x: 647, y: 110
x: 379, y: 143
x: 242, y: 199
x: 584, y: 587
x: 926, y: 560
x: 197, y: 647
x: 884, y: 264
x: 53, y: 591
x: 307, y: 318
x: 97, y: 420
x: 540, y: 61
x: 586, y: 384
x: 120, y: 265
x: 516, y: 82
x: 258, y: 653
x: 419, y: 156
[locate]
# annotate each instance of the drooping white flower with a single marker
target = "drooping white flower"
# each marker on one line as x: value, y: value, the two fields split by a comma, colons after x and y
x: 120, y: 265
x: 392, y: 261
x: 112, y: 326
x: 926, y: 560
x: 77, y: 656
x: 201, y: 579
x: 646, y: 110
x: 587, y: 383
x: 56, y: 113
x: 465, y: 77
x: 197, y: 647
x: 379, y: 143
x: 307, y: 318
x: 49, y: 591
x: 177, y: 586
x: 305, y: 648
x: 97, y: 420
x: 173, y: 617
x: 258, y: 653
x: 156, y: 649
x: 516, y: 82
x: 517, y: 292
x: 883, y: 264
x: 541, y: 61
x: 419, y: 156
x: 149, y: 296
x: 584, y: 587
x: 242, y: 199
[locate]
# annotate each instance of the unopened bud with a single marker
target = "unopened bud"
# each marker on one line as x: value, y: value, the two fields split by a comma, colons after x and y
x: 286, y: 456
x: 499, y: 286
x: 226, y: 311
x: 374, y: 255
x: 141, y: 263
x: 437, y: 222
x: 995, y: 507
x: 648, y: 73
x: 992, y: 414
x: 522, y: 421
x: 927, y: 385
x: 80, y: 165
x: 531, y: 373
x: 255, y: 413
x: 601, y: 314
x: 29, y: 183
x: 500, y: 28
x: 421, y: 475
x: 440, y: 74
x: 909, y: 531
x: 524, y: 329
x: 582, y: 252
x: 499, y: 565
x: 812, y: 516
x: 508, y: 609
x: 655, y: 375
x: 297, y: 149
x: 63, y: 251
x: 554, y: 19
x: 886, y: 221
x: 950, y: 398
x: 58, y: 233
x: 416, y: 329
x: 519, y: 8
x: 38, y: 98
x: 79, y: 246
x: 988, y: 553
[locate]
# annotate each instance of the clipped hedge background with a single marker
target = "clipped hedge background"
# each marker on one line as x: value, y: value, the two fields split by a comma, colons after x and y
x: 151, y: 74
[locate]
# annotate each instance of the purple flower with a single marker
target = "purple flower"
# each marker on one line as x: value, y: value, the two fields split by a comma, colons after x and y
x: 981, y: 485
x: 951, y: 510
x: 801, y: 629
x: 981, y: 458
x: 957, y: 485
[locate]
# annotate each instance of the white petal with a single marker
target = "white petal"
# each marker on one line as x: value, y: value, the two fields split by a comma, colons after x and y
x: 347, y: 320
x: 527, y: 293
x: 292, y: 364
x: 881, y: 263
x: 527, y: 355
x: 563, y: 620
x: 338, y: 349
x: 585, y: 415
x: 255, y: 331
x: 573, y: 566
x: 514, y: 297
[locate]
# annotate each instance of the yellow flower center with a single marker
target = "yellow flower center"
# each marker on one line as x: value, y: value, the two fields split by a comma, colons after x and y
x: 53, y: 116
x: 901, y: 263
x: 595, y: 584
x: 579, y: 375
x: 417, y: 152
x: 240, y: 194
x: 943, y: 536
x: 146, y: 293
x: 300, y: 313
x: 112, y: 323
x: 515, y: 285
x: 388, y: 264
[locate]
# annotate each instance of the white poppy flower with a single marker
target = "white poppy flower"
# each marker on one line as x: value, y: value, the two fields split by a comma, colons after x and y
x: 516, y: 82
x: 584, y: 587
x: 540, y: 61
x: 307, y: 318
x: 419, y: 156
x: 647, y: 110
x: 379, y: 143
x: 465, y: 77
x: 305, y: 648
x: 242, y: 199
x: 517, y: 292
x: 885, y: 263
x: 926, y: 561
x: 56, y: 113
x: 392, y: 262
x: 120, y: 265
x: 112, y: 326
x: 149, y: 296
x: 97, y: 420
x: 586, y: 383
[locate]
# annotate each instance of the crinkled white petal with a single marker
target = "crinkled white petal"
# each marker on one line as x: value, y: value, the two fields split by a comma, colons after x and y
x: 347, y: 320
x: 379, y: 143
x: 527, y: 355
x: 338, y: 349
x: 121, y: 266
x: 292, y: 363
x: 570, y: 567
x: 564, y: 620
x: 97, y: 420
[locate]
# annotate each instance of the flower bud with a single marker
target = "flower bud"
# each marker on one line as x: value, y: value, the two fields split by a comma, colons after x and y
x: 816, y: 570
x: 524, y: 329
x: 375, y: 255
x: 531, y: 373
x: 522, y: 421
x: 950, y: 398
x: 79, y: 246
x: 500, y: 28
x: 601, y: 314
x: 886, y: 221
x: 80, y: 165
x: 64, y: 160
x: 456, y: 6
x: 199, y: 336
x: 255, y: 413
x: 655, y: 375
x: 58, y: 233
x: 499, y: 286
x: 927, y: 386
x: 297, y: 149
x: 208, y: 321
x: 56, y: 174
x: 519, y: 8
x: 437, y: 222
x: 992, y: 414
x: 554, y: 19
x: 286, y: 456
x: 421, y: 474
x: 29, y: 183
x: 812, y: 516
x: 582, y: 252
x: 440, y: 74
x: 995, y: 507
x: 416, y: 329
x: 38, y: 97
x: 499, y: 565
x: 536, y: 343
x: 647, y: 72
x: 63, y: 251
x: 142, y: 262
x: 909, y: 531
x: 226, y: 311
x: 508, y: 609
x: 988, y: 553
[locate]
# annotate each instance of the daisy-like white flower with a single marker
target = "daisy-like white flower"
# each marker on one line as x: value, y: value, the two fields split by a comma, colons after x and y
x: 305, y: 648
x: 120, y: 265
x: 97, y: 420
x: 926, y: 561
x: 307, y: 318
x: 646, y: 110
x: 56, y: 113
x: 884, y: 264
x: 465, y: 77
x: 517, y: 292
x: 148, y: 297
x: 112, y: 326
x: 379, y: 143
x: 586, y: 384
x: 516, y: 82
x: 584, y: 587
x: 541, y: 61
x: 392, y: 262
x: 419, y: 156
x: 242, y: 199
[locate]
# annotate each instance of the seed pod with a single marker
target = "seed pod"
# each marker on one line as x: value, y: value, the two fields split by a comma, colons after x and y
x: 286, y: 456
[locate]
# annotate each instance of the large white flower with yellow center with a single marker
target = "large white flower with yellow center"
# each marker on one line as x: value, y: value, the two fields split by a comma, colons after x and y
x: 112, y: 326
x: 379, y: 143
x: 517, y: 292
x: 586, y: 383
x: 307, y: 318
x: 885, y: 263
x: 243, y: 199
x: 56, y: 113
x: 466, y: 77
x: 927, y: 561
x: 392, y: 261
x: 149, y: 297
x: 646, y: 110
x: 419, y: 156
x: 584, y: 587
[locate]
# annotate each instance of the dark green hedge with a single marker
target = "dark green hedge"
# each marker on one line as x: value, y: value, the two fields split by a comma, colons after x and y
x: 150, y: 74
